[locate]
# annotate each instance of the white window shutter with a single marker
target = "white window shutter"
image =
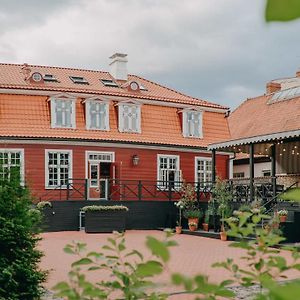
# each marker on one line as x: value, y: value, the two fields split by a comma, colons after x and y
x: 121, y: 120
x: 184, y: 124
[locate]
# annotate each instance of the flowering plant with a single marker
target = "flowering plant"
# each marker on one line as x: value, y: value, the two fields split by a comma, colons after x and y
x: 180, y: 206
x: 193, y: 224
x: 283, y: 212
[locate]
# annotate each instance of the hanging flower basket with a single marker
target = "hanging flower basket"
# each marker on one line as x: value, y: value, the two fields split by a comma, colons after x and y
x: 105, y: 219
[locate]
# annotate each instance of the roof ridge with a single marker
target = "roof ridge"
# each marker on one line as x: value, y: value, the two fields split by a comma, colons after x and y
x: 180, y: 93
x: 55, y: 67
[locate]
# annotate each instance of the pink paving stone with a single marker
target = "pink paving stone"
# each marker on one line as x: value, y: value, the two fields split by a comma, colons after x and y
x: 193, y: 255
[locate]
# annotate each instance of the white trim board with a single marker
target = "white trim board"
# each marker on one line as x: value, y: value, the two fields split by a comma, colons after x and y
x: 109, y: 145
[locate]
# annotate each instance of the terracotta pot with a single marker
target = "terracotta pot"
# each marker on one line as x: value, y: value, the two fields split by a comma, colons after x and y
x: 205, y: 226
x: 192, y: 228
x: 282, y: 219
x: 223, y: 236
x: 193, y: 220
x: 178, y: 229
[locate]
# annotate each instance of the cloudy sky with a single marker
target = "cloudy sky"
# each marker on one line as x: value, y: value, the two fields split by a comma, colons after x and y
x: 220, y: 50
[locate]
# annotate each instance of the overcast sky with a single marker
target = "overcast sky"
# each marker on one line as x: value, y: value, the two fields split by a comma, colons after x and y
x: 219, y: 50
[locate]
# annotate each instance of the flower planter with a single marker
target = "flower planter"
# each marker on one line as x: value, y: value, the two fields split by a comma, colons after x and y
x: 223, y: 236
x: 282, y: 219
x: 178, y: 229
x: 205, y: 226
x: 192, y: 228
x: 193, y: 220
x: 105, y: 221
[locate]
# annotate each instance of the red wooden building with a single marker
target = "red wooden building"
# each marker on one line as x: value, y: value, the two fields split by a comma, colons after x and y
x: 77, y: 134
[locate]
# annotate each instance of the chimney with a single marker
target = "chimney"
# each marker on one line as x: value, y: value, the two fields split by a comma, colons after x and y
x: 118, y: 66
x: 273, y: 87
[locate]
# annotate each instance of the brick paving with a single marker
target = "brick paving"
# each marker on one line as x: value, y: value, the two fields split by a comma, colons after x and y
x: 194, y: 254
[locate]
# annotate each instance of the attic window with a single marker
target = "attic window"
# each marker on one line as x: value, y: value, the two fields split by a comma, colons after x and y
x: 79, y: 80
x: 49, y: 77
x: 109, y: 82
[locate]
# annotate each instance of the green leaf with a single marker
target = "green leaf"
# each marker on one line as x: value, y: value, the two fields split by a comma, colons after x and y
x: 135, y: 252
x: 158, y: 248
x: 282, y: 10
x: 61, y: 286
x: 149, y: 269
x: 82, y: 261
x: 69, y: 250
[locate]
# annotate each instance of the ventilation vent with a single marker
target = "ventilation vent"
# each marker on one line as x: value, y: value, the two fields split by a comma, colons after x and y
x: 109, y: 82
x: 79, y: 80
x: 49, y: 77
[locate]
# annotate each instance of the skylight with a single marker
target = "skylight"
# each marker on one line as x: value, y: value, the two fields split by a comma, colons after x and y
x: 79, y: 80
x: 109, y: 82
x: 285, y: 94
x: 49, y: 77
x: 142, y: 87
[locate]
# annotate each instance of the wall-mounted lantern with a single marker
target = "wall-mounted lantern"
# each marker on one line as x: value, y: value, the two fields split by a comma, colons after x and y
x: 135, y: 160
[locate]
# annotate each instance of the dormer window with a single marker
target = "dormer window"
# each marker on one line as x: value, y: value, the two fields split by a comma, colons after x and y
x: 129, y: 117
x: 192, y: 123
x: 97, y: 114
x: 63, y: 113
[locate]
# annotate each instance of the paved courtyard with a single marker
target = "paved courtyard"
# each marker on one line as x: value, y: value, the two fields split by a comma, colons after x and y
x: 194, y: 254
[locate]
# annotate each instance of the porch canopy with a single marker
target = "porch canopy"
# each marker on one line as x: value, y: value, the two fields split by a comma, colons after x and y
x: 283, y: 148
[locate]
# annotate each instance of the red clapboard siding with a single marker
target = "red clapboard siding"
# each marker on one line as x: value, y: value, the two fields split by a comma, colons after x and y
x: 146, y: 169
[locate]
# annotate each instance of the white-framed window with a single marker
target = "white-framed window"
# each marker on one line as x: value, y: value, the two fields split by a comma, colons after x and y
x: 168, y: 171
x: 238, y: 175
x: 97, y: 115
x: 58, y: 168
x: 129, y: 117
x: 12, y: 159
x: 203, y: 170
x: 63, y: 113
x: 192, y: 124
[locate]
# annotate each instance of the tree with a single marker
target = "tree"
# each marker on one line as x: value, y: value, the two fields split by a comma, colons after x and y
x: 282, y: 10
x: 20, y: 276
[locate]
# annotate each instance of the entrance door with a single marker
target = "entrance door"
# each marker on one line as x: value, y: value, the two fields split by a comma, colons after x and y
x: 98, y: 180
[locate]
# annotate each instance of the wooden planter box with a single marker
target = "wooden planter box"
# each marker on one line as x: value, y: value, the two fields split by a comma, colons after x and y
x: 105, y: 221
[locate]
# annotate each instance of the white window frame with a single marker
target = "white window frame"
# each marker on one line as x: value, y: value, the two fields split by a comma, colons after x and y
x: 53, y: 111
x: 121, y: 119
x: 178, y: 171
x: 47, y: 151
x: 185, y: 127
x: 205, y: 172
x: 88, y: 103
x: 22, y: 160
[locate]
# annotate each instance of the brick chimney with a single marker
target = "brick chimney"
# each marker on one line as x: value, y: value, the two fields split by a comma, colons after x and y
x: 118, y: 66
x: 273, y: 87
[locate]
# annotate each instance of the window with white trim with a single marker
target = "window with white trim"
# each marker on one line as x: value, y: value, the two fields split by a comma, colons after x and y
x: 192, y: 124
x: 63, y: 113
x: 129, y: 118
x: 203, y: 170
x: 97, y: 115
x: 169, y: 173
x: 58, y: 168
x: 11, y: 160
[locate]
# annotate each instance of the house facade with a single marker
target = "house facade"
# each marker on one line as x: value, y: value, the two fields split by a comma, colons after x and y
x: 82, y: 134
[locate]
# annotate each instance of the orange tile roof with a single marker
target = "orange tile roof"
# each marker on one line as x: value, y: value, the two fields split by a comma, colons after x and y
x: 29, y: 116
x: 11, y: 77
x: 256, y: 117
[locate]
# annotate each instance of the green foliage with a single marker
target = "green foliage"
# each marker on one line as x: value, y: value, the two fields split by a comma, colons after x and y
x: 291, y: 195
x: 206, y: 217
x: 192, y: 213
x: 20, y: 276
x: 264, y: 264
x: 43, y: 204
x: 131, y: 275
x: 105, y: 208
x: 282, y: 10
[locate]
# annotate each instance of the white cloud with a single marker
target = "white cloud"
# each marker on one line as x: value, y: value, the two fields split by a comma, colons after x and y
x: 216, y: 49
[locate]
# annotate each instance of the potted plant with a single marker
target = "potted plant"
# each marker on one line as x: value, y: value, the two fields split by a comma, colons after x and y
x: 48, y: 221
x: 193, y: 215
x: 180, y: 206
x: 193, y: 226
x: 283, y: 213
x: 105, y: 218
x: 205, y: 224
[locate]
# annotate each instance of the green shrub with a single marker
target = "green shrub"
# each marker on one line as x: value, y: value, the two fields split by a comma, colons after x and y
x: 20, y: 276
x: 105, y: 208
x: 192, y: 213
